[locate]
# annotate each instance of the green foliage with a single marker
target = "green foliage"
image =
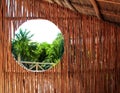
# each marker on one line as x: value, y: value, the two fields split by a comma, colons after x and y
x: 56, y: 50
x: 20, y: 45
x: 43, y: 47
x: 37, y: 52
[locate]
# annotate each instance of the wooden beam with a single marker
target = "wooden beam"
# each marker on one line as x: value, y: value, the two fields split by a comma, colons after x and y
x: 67, y: 2
x: 84, y: 10
x: 95, y: 6
x: 81, y: 1
x: 109, y: 1
x: 50, y: 1
x: 111, y: 17
x: 58, y: 2
x: 28, y: 18
x: 72, y: 5
x: 110, y: 14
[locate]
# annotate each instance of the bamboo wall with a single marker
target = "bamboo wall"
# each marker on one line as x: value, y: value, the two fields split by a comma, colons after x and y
x: 90, y: 63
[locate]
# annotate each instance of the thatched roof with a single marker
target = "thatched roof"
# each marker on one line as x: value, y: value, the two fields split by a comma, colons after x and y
x: 108, y: 10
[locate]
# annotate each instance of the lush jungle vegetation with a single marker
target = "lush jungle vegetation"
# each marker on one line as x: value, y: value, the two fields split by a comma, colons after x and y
x: 24, y: 49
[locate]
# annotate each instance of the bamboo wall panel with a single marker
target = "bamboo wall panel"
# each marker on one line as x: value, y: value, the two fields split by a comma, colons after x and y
x: 1, y: 54
x: 118, y: 60
x: 90, y: 63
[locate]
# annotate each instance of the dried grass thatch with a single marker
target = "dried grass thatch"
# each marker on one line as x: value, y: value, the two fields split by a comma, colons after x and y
x: 108, y: 10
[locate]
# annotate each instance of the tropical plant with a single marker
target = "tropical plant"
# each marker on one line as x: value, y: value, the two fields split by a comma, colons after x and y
x: 20, y: 44
x: 56, y: 50
x: 26, y: 50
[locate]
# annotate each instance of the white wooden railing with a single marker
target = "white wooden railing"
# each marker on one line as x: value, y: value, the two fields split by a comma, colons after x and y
x: 36, y: 65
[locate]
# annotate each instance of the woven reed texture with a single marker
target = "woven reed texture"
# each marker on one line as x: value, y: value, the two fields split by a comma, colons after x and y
x: 108, y: 10
x: 90, y: 63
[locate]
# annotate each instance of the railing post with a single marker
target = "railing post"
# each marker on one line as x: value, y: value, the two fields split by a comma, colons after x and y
x: 37, y: 66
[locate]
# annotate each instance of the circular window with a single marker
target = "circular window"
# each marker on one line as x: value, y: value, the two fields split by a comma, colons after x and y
x: 38, y: 45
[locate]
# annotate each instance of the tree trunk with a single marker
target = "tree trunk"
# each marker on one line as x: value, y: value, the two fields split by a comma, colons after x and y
x: 19, y: 58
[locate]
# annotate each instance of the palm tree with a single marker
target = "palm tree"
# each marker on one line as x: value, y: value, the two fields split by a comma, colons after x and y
x: 20, y: 44
x: 56, y: 50
x: 58, y: 44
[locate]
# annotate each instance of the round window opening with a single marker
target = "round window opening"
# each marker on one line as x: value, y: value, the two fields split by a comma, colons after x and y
x: 38, y: 45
